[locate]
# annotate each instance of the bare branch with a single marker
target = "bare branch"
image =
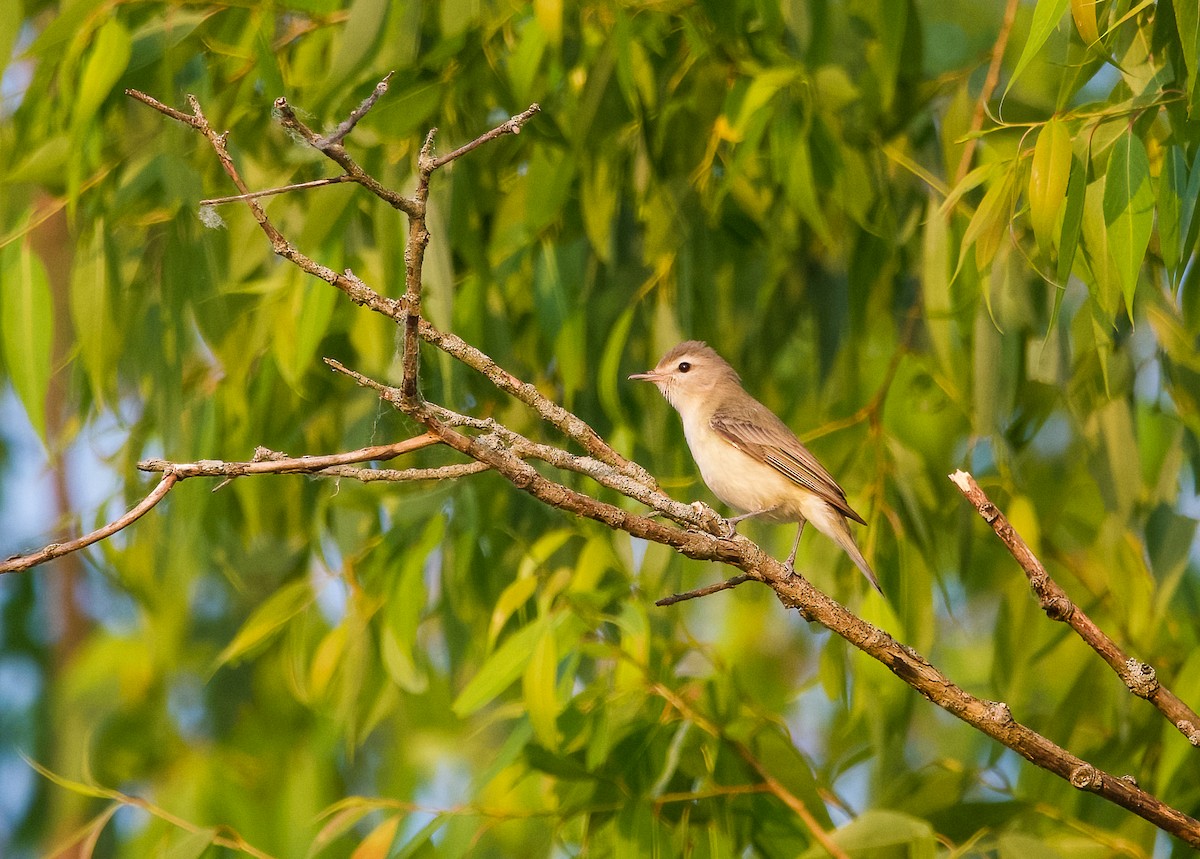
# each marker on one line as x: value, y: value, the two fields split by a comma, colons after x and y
x: 1139, y: 677
x: 268, y: 462
x: 298, y: 186
x: 335, y: 151
x: 177, y: 115
x: 704, y: 591
x: 989, y: 86
x: 510, y: 126
x: 505, y: 452
x: 345, y: 127
x: 57, y: 550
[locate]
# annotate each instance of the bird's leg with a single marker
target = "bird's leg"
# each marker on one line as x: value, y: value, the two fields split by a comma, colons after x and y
x: 790, y: 563
x: 732, y: 521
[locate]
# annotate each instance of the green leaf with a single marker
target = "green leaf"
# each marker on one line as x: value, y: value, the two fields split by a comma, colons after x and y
x: 600, y: 195
x: 1189, y: 207
x: 510, y: 659
x: 1048, y: 176
x: 1187, y: 18
x: 1068, y: 239
x: 302, y: 326
x: 503, y: 667
x: 1046, y: 16
x: 882, y: 832
x: 1104, y: 283
x: 77, y: 787
x: 105, y: 65
x: 1128, y: 210
x: 267, y: 620
x: 988, y: 225
x: 1172, y: 185
x: 539, y: 686
x: 26, y: 328
x: 609, y: 378
x: 100, y: 339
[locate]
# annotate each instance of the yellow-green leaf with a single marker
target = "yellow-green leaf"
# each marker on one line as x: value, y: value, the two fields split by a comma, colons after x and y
x: 503, y: 667
x: 1128, y: 210
x: 100, y: 339
x: 1172, y: 186
x: 539, y: 684
x: 267, y: 620
x: 1084, y: 13
x: 988, y: 224
x: 105, y: 65
x: 378, y: 844
x: 26, y: 328
x: 1048, y: 178
x: 1046, y: 16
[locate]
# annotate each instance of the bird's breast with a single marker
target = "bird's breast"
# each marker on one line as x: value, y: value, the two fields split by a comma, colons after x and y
x: 740, y: 480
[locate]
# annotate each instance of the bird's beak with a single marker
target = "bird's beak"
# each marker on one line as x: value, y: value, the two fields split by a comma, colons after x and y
x: 649, y: 376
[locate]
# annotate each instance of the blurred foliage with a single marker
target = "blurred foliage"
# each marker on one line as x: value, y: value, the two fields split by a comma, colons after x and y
x: 333, y: 669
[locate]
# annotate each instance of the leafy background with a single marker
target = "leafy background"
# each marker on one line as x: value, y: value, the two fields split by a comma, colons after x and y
x: 304, y: 667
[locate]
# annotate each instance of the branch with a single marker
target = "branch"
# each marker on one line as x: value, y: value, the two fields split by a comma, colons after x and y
x: 992, y: 718
x: 57, y: 550
x: 510, y: 126
x: 270, y: 462
x: 332, y: 148
x: 701, y: 517
x: 270, y: 192
x: 265, y: 462
x: 346, y: 126
x: 1140, y: 678
x: 703, y: 592
x: 989, y: 86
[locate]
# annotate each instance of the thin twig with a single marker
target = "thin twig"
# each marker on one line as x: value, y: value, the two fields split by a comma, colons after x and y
x: 1140, y: 678
x: 704, y: 591
x: 510, y: 126
x: 57, y: 550
x: 989, y: 86
x: 298, y: 186
x: 268, y: 463
x: 347, y: 125
x: 334, y: 150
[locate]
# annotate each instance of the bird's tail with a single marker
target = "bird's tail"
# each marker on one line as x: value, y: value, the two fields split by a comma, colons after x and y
x: 836, y: 528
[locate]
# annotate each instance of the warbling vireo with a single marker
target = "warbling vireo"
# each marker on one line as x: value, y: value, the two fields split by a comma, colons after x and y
x: 747, y: 455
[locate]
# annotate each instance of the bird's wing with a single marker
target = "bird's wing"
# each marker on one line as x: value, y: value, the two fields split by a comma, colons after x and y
x: 767, y: 439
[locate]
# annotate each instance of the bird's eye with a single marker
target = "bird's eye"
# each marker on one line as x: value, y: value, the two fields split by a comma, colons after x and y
x: 684, y: 366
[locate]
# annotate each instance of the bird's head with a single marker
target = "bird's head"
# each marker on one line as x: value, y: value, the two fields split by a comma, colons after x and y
x: 690, y: 375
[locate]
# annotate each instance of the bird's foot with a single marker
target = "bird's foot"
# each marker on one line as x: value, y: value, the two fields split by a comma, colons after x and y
x: 790, y: 565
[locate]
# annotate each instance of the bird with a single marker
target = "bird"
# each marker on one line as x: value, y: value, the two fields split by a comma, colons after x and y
x: 747, y: 456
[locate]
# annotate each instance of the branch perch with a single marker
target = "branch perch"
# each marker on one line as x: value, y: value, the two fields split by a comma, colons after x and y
x: 1140, y: 678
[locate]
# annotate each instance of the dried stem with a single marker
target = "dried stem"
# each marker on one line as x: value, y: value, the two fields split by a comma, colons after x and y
x: 989, y: 86
x: 1140, y: 678
x: 347, y: 125
x: 270, y: 192
x: 57, y: 550
x: 704, y: 591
